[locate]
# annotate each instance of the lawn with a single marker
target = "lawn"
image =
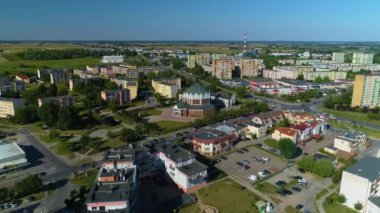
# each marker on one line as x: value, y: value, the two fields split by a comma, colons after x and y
x: 190, y: 209
x: 369, y: 132
x: 336, y: 207
x: 153, y: 111
x: 291, y: 209
x: 359, y: 116
x: 272, y: 143
x: 83, y: 180
x: 172, y: 125
x: 228, y: 196
x: 31, y: 66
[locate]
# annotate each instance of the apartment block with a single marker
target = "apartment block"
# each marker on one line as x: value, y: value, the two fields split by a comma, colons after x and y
x: 362, y: 58
x: 130, y: 84
x: 59, y: 101
x: 366, y: 91
x: 338, y: 57
x: 121, y: 96
x: 112, y: 59
x: 167, y: 87
x: 222, y: 68
x: 8, y: 106
x: 53, y: 75
x: 200, y: 59
x: 250, y: 67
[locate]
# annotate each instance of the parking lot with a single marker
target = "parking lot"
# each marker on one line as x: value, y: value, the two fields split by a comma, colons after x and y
x: 250, y: 163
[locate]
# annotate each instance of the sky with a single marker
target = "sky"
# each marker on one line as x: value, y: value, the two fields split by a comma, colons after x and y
x: 207, y: 20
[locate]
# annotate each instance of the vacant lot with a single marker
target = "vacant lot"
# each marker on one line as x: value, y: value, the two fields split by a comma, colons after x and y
x: 228, y: 196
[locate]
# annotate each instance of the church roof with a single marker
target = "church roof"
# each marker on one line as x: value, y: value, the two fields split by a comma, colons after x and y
x: 196, y: 89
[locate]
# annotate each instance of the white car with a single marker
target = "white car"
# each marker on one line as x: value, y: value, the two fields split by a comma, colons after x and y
x: 302, y: 181
x: 266, y: 159
x: 253, y: 177
x: 262, y: 174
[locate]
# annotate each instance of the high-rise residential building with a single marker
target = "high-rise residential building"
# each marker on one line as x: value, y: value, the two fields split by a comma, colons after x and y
x: 366, y: 91
x: 362, y: 58
x: 130, y: 84
x: 250, y: 67
x: 121, y: 96
x: 8, y: 106
x: 338, y: 57
x: 222, y: 68
x: 200, y: 59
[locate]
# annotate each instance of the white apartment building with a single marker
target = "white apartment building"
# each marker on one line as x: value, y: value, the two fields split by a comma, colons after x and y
x: 362, y: 58
x: 338, y: 57
x: 350, y: 141
x: 112, y: 59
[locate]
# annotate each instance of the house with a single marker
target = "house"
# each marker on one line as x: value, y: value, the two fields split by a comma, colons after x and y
x: 360, y: 183
x: 298, y: 117
x: 23, y: 78
x: 255, y: 130
x: 11, y: 156
x: 269, y: 119
x: 350, y: 141
x: 211, y: 142
x: 180, y: 165
x: 284, y: 132
x: 224, y: 100
x: 304, y: 132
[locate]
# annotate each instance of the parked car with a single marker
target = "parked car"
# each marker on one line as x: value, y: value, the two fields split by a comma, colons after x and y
x: 262, y: 174
x: 246, y: 167
x: 288, y: 192
x: 240, y: 152
x: 246, y: 162
x: 296, y: 189
x: 281, y: 192
x: 267, y: 172
x: 239, y: 163
x: 253, y: 177
x: 299, y: 206
x: 303, y: 180
x: 266, y: 159
x: 298, y: 177
x: 280, y: 183
x: 302, y: 170
x: 15, y: 203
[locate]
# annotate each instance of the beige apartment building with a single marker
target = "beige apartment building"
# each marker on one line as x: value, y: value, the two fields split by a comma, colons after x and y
x: 250, y: 67
x: 167, y: 87
x: 130, y: 84
x: 200, y: 59
x: 362, y: 58
x: 223, y: 68
x: 8, y: 106
x: 366, y: 91
x: 338, y: 57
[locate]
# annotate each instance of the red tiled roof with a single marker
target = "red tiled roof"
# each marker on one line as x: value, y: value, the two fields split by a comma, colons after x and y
x: 300, y: 127
x: 24, y: 77
x: 287, y: 131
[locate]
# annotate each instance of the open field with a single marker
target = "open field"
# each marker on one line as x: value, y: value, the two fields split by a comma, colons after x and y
x: 228, y: 196
x: 359, y: 116
x: 369, y: 132
x: 18, y: 47
x: 170, y: 125
x: 31, y: 66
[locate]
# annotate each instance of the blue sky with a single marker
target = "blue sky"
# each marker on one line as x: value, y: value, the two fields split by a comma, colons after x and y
x: 290, y: 20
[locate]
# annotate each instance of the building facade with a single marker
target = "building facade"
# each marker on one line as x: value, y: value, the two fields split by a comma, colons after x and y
x: 366, y: 91
x: 223, y: 68
x: 130, y: 84
x: 362, y: 58
x: 8, y: 106
x: 121, y: 96
x: 350, y: 141
x: 250, y: 67
x: 338, y: 57
x: 59, y: 101
x: 167, y: 87
x: 200, y: 59
x: 112, y: 59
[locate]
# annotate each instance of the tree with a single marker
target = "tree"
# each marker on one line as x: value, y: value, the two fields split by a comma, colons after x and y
x: 323, y: 168
x: 66, y: 117
x: 177, y: 63
x: 53, y: 133
x: 84, y: 141
x: 113, y: 105
x: 300, y: 77
x: 241, y: 92
x: 318, y: 79
x: 112, y: 85
x: 25, y: 115
x: 128, y: 135
x: 48, y: 113
x: 306, y: 163
x: 3, y: 194
x: 326, y: 79
x: 341, y: 198
x: 52, y: 90
x: 27, y: 186
x: 358, y: 206
x: 284, y: 123
x: 287, y: 147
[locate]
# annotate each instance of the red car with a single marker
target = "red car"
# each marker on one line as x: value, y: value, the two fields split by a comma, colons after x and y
x: 247, y: 167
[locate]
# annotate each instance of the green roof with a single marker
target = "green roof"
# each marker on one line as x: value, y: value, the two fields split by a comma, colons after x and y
x: 196, y: 89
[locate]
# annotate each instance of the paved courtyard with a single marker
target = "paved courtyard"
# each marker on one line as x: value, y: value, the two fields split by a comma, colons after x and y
x: 167, y: 115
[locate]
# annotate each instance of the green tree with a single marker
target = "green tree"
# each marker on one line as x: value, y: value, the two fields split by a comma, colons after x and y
x: 111, y: 85
x: 84, y: 141
x: 53, y: 133
x: 27, y: 186
x: 128, y: 135
x: 326, y: 79
x: 323, y: 168
x: 241, y: 92
x: 341, y: 198
x: 306, y: 163
x: 48, y: 113
x: 287, y: 147
x: 284, y: 123
x: 25, y: 115
x: 52, y: 90
x: 318, y: 79
x: 300, y: 77
x: 113, y: 105
x: 177, y: 63
x: 358, y: 206
x: 3, y: 195
x: 67, y: 117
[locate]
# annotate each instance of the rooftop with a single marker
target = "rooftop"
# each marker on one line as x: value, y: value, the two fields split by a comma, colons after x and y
x: 192, y: 168
x: 367, y: 167
x: 196, y: 89
x: 119, y: 154
x: 352, y: 136
x: 287, y: 131
x: 174, y: 152
x: 211, y: 134
x: 9, y: 150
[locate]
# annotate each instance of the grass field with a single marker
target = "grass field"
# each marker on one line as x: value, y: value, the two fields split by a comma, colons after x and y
x: 228, y: 196
x: 31, y: 66
x: 83, y: 180
x: 336, y: 207
x: 170, y: 125
x: 153, y: 111
x: 13, y: 48
x: 359, y: 116
x: 272, y: 143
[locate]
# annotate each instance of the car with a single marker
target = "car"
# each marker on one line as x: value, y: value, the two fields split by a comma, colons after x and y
x: 267, y: 172
x: 42, y: 174
x: 288, y: 192
x: 245, y: 149
x: 246, y: 167
x: 262, y: 174
x: 218, y: 160
x: 253, y: 177
x: 239, y: 163
x: 280, y: 183
x: 266, y: 159
x: 15, y: 203
x: 7, y: 205
x: 240, y: 152
x: 246, y: 162
x: 224, y: 157
x: 259, y: 144
x: 281, y: 192
x: 302, y: 170
x: 299, y: 206
x: 298, y: 177
x: 255, y: 158
x: 296, y: 189
x: 303, y: 180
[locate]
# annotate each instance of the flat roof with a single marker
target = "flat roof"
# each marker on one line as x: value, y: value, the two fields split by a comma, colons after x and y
x: 120, y: 154
x: 375, y: 200
x: 211, y: 134
x: 172, y: 151
x: 192, y: 168
x: 10, y: 150
x: 367, y: 167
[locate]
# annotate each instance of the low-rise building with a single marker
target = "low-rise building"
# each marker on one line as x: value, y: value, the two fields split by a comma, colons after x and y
x: 284, y: 132
x: 223, y: 100
x: 121, y: 96
x: 213, y: 141
x: 112, y: 59
x: 8, y: 106
x: 360, y: 184
x: 255, y: 130
x: 298, y: 117
x: 181, y: 166
x: 11, y: 156
x: 58, y: 100
x: 350, y: 141
x: 167, y: 87
x: 54, y: 76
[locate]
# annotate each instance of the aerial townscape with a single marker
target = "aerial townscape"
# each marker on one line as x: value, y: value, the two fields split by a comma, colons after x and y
x: 231, y: 120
